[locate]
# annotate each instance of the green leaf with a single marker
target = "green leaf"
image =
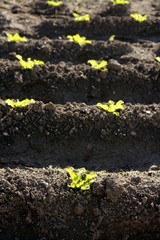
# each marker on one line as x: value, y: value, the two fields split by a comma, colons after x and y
x: 80, y: 40
x: 72, y: 174
x: 90, y: 176
x: 120, y: 2
x: 111, y: 107
x: 86, y: 186
x: 102, y: 65
x: 54, y: 4
x: 29, y: 64
x: 119, y: 105
x: 15, y: 38
x: 81, y: 178
x: 138, y: 17
x: 111, y: 38
x: 83, y: 18
x: 102, y: 106
x: 20, y: 104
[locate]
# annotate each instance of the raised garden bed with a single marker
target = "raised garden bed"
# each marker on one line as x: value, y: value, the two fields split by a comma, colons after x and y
x: 64, y: 127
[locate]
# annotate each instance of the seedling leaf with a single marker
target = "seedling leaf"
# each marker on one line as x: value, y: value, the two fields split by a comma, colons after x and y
x: 19, y: 104
x: 111, y: 38
x: 83, y: 18
x: 102, y: 65
x: 72, y: 174
x: 54, y: 4
x: 81, y: 178
x: 119, y: 2
x: 15, y: 38
x: 81, y: 40
x: 138, y: 17
x: 111, y: 107
x: 29, y: 64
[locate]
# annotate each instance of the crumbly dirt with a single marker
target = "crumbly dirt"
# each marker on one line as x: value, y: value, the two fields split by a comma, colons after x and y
x: 118, y: 206
x: 65, y: 128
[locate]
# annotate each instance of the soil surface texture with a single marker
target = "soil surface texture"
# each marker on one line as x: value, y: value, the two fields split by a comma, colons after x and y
x: 64, y: 127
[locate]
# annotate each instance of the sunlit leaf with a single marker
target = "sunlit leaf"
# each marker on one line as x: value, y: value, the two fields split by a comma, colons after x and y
x: 54, y: 4
x: 29, y: 64
x: 138, y: 17
x: 119, y: 2
x: 81, y: 40
x: 15, y: 38
x: 102, y: 65
x: 81, y: 178
x: 111, y: 38
x: 83, y: 18
x: 19, y: 104
x: 111, y: 107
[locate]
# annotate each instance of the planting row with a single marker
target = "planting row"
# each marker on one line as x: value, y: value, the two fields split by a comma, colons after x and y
x: 65, y: 82
x: 111, y: 210
x: 106, y: 20
x: 80, y: 135
x: 90, y: 82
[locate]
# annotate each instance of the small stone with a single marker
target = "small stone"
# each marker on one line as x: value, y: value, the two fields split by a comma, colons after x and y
x: 96, y: 212
x: 133, y: 133
x: 49, y: 106
x: 154, y: 168
x: 79, y: 210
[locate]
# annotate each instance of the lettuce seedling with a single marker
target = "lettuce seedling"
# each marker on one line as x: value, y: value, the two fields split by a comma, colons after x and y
x: 29, y: 64
x: 15, y: 38
x: 138, y: 17
x: 83, y: 18
x: 54, y: 4
x: 119, y: 2
x: 157, y: 59
x: 112, y: 38
x: 102, y: 65
x: 111, y: 107
x: 79, y: 39
x: 19, y: 104
x: 81, y: 178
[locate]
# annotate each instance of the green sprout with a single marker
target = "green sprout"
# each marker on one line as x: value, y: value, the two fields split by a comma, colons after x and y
x: 83, y: 18
x: 112, y: 38
x: 119, y: 2
x: 138, y: 17
x: 15, y: 38
x: 29, y: 64
x: 19, y: 104
x: 54, y: 4
x: 102, y: 65
x: 79, y: 39
x: 111, y: 107
x: 158, y: 59
x: 81, y: 178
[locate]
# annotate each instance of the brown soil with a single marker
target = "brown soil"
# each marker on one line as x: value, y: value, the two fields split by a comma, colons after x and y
x: 65, y: 128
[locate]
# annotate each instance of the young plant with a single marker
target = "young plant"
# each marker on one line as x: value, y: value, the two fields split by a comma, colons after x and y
x: 80, y: 40
x: 29, y: 64
x: 158, y: 59
x: 112, y: 107
x: 138, y: 17
x: 102, y: 65
x: 80, y: 179
x: 112, y: 38
x: 15, y: 38
x: 54, y: 4
x: 119, y: 2
x: 19, y: 104
x: 83, y: 18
